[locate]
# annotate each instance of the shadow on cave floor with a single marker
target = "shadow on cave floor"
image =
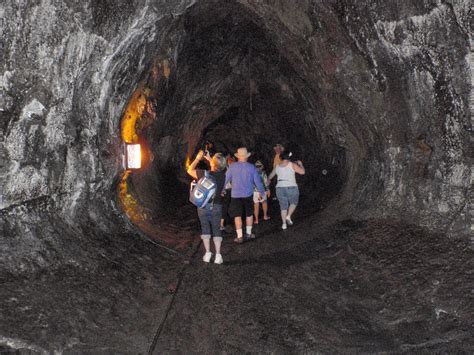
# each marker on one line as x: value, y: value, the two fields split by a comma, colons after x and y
x: 369, y: 286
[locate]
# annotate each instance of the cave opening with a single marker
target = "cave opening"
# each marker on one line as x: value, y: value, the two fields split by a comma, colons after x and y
x: 231, y: 84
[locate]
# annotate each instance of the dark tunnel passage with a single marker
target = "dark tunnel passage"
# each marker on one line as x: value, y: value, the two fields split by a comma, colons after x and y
x: 373, y: 96
x: 233, y: 77
x: 231, y: 85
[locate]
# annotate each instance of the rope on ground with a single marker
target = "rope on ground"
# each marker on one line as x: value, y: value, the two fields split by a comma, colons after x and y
x: 171, y: 303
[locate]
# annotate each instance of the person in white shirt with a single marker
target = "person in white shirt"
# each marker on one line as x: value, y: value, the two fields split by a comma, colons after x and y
x: 286, y: 188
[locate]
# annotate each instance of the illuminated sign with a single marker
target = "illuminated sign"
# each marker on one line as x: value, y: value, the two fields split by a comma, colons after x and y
x: 133, y: 156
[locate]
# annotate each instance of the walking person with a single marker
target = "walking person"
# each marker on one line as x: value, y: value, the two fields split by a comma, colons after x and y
x: 257, y: 200
x: 286, y: 188
x: 243, y: 176
x: 211, y: 214
x: 226, y: 199
x: 278, y: 149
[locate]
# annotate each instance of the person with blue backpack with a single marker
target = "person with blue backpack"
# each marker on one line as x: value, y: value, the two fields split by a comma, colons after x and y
x: 206, y: 194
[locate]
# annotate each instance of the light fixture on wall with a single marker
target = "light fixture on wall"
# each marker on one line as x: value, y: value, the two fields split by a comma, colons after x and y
x: 132, y: 157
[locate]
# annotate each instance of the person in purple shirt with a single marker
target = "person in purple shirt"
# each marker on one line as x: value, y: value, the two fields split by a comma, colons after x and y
x: 243, y: 176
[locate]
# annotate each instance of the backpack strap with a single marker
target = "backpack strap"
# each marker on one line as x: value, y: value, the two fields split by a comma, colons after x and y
x: 211, y: 201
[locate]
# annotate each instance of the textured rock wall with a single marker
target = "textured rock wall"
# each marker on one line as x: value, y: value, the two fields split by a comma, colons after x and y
x: 417, y: 57
x: 388, y: 82
x: 392, y: 83
x: 67, y: 71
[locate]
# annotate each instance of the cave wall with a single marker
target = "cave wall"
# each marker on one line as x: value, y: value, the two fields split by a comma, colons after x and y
x: 67, y: 71
x: 392, y: 84
x: 416, y: 57
x: 387, y: 82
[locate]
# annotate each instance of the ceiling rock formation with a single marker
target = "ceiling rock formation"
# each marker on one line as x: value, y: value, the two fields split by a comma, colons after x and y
x: 376, y: 94
x: 373, y: 96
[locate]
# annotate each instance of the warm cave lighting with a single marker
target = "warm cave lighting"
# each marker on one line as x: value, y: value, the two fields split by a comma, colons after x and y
x: 133, y: 159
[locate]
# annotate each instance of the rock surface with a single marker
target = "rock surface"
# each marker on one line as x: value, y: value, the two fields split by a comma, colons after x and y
x: 374, y: 93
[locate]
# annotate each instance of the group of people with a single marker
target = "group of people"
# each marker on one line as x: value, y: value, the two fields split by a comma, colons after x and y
x: 248, y: 187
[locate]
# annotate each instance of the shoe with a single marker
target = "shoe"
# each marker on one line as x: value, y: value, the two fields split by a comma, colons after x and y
x: 207, y: 257
x: 283, y: 226
x: 289, y: 221
x: 218, y: 259
x: 250, y: 237
x: 266, y: 218
x: 239, y: 240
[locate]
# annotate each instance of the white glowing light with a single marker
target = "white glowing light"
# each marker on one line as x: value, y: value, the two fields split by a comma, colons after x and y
x: 134, y: 158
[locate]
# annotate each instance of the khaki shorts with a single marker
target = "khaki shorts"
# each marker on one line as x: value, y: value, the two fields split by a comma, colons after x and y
x: 257, y: 199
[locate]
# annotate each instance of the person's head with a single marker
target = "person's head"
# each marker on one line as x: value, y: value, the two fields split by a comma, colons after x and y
x: 218, y: 162
x: 259, y: 165
x: 278, y: 148
x: 242, y: 154
x: 285, y: 155
x: 230, y: 159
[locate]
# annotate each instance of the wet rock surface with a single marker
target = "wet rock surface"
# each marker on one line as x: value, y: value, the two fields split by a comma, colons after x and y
x: 376, y: 94
x: 111, y: 305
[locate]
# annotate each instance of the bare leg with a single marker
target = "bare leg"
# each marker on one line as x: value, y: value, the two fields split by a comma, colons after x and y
x: 291, y: 210
x: 217, y: 244
x: 256, y: 209
x: 249, y: 221
x: 207, y: 244
x: 265, y: 209
x: 283, y: 216
x: 238, y: 226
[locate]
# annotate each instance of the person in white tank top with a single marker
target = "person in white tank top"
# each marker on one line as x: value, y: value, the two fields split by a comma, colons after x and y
x: 286, y: 175
x: 287, y: 189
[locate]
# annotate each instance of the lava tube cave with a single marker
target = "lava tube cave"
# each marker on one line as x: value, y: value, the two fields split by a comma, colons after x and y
x: 101, y: 257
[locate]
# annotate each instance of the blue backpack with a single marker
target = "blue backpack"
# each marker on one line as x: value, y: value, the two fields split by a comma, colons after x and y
x: 203, y: 190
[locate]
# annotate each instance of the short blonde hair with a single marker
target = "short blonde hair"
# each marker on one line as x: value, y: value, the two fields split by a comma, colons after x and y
x: 219, y: 161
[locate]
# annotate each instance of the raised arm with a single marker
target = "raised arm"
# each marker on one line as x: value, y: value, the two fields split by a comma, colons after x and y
x: 298, y: 167
x: 192, y: 168
x: 272, y: 174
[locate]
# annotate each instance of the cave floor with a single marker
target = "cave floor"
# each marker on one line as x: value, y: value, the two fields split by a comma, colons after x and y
x: 370, y: 286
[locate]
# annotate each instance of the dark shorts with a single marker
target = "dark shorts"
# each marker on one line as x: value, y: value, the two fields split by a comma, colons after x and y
x: 241, y: 207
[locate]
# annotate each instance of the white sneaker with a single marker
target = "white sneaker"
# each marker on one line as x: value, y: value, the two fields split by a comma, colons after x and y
x: 207, y: 257
x: 283, y: 226
x: 218, y: 259
x: 289, y: 221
